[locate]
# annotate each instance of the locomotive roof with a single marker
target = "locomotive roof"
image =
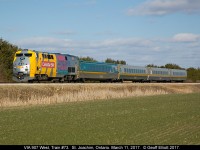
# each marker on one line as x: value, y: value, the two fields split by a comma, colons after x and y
x: 47, y: 52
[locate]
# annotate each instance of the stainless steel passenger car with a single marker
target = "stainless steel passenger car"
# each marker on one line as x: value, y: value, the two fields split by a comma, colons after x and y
x: 133, y: 73
x: 159, y: 74
x: 178, y: 75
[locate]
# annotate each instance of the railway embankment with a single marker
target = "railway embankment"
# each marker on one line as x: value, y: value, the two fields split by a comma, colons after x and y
x: 42, y: 94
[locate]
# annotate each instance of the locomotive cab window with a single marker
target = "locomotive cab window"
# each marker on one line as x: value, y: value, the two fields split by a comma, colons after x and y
x: 28, y: 54
x: 44, y: 56
x: 19, y: 55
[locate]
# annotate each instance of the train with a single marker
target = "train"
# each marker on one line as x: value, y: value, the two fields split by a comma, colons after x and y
x: 30, y: 66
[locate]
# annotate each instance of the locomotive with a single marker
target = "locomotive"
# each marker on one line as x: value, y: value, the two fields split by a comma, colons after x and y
x: 31, y: 65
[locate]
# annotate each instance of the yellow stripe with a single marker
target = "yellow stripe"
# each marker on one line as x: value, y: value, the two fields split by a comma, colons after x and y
x: 54, y: 69
x: 44, y: 69
x: 178, y: 77
x: 93, y: 72
x: 18, y: 52
x: 153, y: 75
x: 127, y: 74
x: 160, y: 75
x: 32, y: 63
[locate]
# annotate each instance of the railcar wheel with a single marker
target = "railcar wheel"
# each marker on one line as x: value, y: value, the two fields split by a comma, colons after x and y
x: 82, y: 80
x: 30, y: 81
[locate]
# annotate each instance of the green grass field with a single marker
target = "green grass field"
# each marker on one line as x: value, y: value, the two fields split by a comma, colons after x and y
x: 166, y: 119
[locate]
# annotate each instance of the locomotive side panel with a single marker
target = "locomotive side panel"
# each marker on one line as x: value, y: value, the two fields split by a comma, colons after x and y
x: 61, y: 65
x: 45, y: 66
x: 72, y: 64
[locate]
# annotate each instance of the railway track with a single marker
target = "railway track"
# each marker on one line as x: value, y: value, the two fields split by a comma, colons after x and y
x: 129, y: 83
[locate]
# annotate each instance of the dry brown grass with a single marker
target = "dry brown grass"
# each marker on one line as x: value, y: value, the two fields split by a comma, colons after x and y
x: 34, y: 94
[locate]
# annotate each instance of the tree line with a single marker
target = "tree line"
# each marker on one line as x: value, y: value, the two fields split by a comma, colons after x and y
x: 108, y: 60
x: 7, y: 51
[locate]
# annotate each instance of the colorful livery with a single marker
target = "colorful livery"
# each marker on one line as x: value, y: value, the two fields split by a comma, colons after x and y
x: 30, y: 65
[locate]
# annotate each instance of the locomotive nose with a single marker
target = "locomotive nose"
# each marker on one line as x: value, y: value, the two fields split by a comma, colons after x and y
x: 21, y: 68
x: 21, y: 71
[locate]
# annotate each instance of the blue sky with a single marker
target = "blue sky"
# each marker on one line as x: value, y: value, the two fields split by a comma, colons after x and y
x: 141, y: 32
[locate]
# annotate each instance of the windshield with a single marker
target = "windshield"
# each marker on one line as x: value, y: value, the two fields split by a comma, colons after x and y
x: 26, y: 55
x: 19, y: 55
